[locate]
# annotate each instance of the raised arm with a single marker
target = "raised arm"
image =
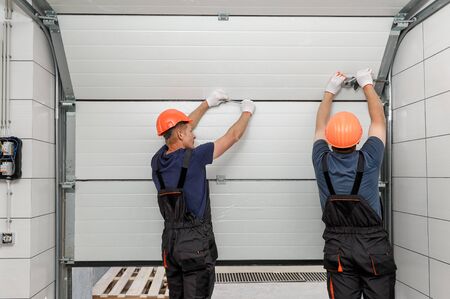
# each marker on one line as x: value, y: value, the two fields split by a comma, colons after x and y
x: 236, y: 131
x: 323, y: 113
x: 217, y: 97
x: 377, y: 118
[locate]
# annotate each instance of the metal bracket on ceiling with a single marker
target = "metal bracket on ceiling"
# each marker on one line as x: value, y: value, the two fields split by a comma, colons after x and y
x: 50, y: 20
x: 222, y: 16
x: 400, y: 22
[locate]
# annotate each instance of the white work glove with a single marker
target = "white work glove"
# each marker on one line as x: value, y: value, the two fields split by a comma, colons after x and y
x: 335, y: 83
x: 364, y: 77
x: 217, y: 97
x: 248, y: 106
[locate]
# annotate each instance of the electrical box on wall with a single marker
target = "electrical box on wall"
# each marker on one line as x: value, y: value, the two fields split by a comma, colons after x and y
x: 10, y: 158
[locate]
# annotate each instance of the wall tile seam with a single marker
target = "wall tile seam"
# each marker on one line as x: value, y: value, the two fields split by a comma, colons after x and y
x: 440, y: 261
x: 422, y: 61
x: 411, y: 214
x: 44, y: 68
x: 410, y: 250
x: 43, y: 252
x: 437, y: 136
x: 34, y: 62
x: 36, y: 101
x: 34, y: 295
x: 27, y: 258
x: 436, y: 95
x: 407, y: 285
x: 423, y: 216
x: 407, y: 68
x: 37, y: 139
x: 409, y: 140
x: 29, y: 218
x: 38, y: 178
x: 421, y: 177
x: 409, y: 104
x: 436, y: 53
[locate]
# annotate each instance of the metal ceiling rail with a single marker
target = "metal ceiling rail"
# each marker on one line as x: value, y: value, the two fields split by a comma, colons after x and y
x: 408, y: 17
x: 414, y: 13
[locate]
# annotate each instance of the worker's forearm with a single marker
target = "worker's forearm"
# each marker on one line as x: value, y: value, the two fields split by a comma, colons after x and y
x: 374, y: 104
x: 198, y: 113
x: 238, y: 128
x: 323, y: 113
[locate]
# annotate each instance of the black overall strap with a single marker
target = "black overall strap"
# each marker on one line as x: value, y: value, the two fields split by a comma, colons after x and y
x: 326, y: 174
x: 186, y: 160
x: 359, y: 174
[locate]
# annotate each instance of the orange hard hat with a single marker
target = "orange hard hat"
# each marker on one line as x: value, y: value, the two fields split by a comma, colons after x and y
x: 343, y: 130
x: 168, y: 119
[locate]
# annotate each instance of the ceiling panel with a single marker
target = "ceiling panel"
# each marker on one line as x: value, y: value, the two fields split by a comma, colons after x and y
x: 232, y: 7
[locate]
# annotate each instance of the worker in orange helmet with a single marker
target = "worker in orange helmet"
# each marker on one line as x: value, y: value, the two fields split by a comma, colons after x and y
x: 357, y: 255
x: 189, y: 250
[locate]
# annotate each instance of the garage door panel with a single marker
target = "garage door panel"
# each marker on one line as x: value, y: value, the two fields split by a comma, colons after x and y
x: 144, y: 38
x: 113, y: 216
x: 299, y: 226
x: 223, y: 54
x: 185, y: 57
x: 111, y: 226
x: 197, y: 81
x: 118, y: 239
x: 310, y: 66
x: 109, y: 148
x: 127, y: 69
x: 271, y: 252
x: 118, y: 253
x: 170, y: 93
x: 120, y: 213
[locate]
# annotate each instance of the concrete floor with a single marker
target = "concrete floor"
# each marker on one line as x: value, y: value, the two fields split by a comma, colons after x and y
x: 303, y: 290
x: 85, y: 278
x: 271, y: 291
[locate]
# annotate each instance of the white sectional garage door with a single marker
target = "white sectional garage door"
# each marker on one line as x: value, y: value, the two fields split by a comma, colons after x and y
x: 126, y: 70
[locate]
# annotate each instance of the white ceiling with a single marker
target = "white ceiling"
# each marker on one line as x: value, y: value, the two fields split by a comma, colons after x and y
x: 232, y: 7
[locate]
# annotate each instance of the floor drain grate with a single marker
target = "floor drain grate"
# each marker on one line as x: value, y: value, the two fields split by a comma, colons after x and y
x: 315, y: 276
x: 270, y: 277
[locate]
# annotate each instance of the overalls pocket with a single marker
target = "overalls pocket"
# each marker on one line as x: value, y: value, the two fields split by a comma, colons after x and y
x: 191, y: 249
x: 332, y: 255
x: 380, y: 256
x: 382, y: 263
x: 332, y: 262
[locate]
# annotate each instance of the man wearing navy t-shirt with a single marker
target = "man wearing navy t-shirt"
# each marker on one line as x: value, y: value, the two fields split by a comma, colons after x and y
x: 357, y: 255
x: 189, y: 250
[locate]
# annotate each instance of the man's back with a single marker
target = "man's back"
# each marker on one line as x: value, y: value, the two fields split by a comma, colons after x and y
x: 195, y: 187
x: 342, y: 169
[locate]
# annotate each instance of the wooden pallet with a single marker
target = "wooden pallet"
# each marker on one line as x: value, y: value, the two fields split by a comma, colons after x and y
x: 132, y: 283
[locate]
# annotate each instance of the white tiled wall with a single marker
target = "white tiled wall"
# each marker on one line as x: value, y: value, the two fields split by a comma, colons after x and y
x: 27, y: 267
x: 421, y: 164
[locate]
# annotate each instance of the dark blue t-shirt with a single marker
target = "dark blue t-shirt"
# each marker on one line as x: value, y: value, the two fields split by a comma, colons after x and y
x: 195, y: 186
x: 342, y: 169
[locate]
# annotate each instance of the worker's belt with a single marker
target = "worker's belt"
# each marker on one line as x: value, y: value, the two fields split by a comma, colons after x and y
x: 354, y: 230
x: 187, y: 224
